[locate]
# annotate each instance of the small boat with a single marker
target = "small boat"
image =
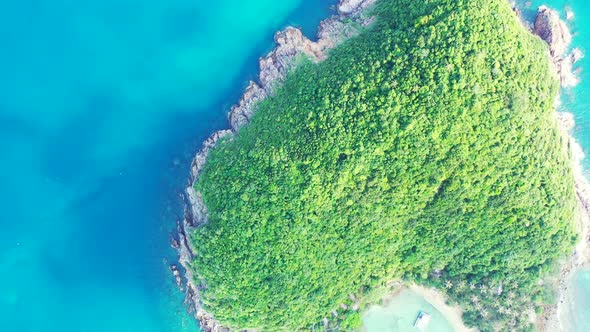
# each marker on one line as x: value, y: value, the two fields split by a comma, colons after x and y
x: 422, y: 321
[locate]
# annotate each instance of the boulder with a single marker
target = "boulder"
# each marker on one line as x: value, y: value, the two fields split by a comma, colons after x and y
x: 554, y: 31
x: 348, y: 7
x: 290, y: 43
x: 550, y: 27
x: 240, y: 114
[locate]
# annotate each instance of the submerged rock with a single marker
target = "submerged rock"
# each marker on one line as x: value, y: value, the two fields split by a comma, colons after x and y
x: 177, y: 276
x: 569, y: 13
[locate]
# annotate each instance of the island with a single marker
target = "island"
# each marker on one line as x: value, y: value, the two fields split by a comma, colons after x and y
x: 414, y: 142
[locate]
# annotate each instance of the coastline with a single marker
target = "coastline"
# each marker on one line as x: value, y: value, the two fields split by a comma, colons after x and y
x: 552, y: 29
x: 291, y: 44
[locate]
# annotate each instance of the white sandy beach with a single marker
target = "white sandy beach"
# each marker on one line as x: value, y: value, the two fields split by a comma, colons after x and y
x: 399, y: 311
x: 453, y: 314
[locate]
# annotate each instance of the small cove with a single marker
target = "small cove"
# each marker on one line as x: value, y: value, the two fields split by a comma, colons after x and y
x: 399, y: 314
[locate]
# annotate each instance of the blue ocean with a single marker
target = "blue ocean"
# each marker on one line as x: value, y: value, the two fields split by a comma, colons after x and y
x: 102, y: 105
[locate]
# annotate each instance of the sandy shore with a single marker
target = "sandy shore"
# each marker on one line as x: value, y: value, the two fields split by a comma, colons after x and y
x: 453, y: 314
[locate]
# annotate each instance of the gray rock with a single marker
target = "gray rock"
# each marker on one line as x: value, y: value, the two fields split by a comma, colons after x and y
x: 177, y: 276
x: 576, y: 55
x: 348, y: 7
x: 554, y: 31
x: 174, y: 243
x: 290, y: 43
x: 240, y: 114
x: 550, y: 27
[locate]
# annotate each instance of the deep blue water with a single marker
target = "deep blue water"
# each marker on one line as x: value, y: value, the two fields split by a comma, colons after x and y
x: 102, y: 105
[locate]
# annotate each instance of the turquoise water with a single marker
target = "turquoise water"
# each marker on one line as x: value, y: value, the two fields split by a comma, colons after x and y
x: 102, y: 105
x: 400, y: 314
x: 576, y: 314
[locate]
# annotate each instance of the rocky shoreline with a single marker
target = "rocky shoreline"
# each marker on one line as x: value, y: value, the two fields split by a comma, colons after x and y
x: 291, y: 45
x: 552, y: 29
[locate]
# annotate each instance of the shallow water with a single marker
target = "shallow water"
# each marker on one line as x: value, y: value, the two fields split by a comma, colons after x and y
x: 102, y: 105
x: 575, y: 315
x: 399, y: 315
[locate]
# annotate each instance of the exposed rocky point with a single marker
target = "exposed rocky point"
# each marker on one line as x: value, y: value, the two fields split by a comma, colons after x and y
x: 290, y: 43
x: 291, y: 46
x: 240, y: 114
x: 348, y: 7
x: 550, y: 27
x: 553, y: 30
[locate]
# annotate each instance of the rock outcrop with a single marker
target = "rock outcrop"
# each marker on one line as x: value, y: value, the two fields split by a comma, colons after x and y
x: 550, y: 27
x: 553, y: 30
x: 177, y: 275
x: 198, y: 210
x: 349, y: 7
x: 240, y: 114
x: 291, y: 44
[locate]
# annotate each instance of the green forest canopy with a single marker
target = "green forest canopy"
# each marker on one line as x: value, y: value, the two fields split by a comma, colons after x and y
x: 427, y: 143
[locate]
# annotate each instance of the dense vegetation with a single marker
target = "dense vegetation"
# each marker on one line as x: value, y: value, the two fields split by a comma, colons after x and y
x: 425, y: 149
